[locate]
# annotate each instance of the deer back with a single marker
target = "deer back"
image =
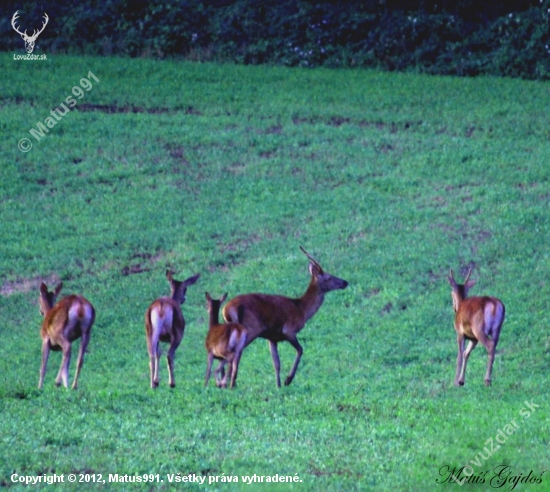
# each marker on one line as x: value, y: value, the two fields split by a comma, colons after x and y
x: 164, y: 316
x: 265, y: 315
x: 479, y: 313
x: 226, y: 338
x: 68, y: 319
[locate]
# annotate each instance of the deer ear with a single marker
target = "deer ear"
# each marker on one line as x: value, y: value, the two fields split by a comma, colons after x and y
x: 314, y: 270
x: 169, y: 275
x: 468, y: 285
x: 58, y: 288
x: 43, y: 288
x: 224, y: 297
x: 207, y: 295
x: 191, y: 280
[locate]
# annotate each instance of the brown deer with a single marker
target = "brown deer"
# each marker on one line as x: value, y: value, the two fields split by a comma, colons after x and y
x: 164, y: 322
x: 224, y: 342
x: 278, y: 318
x: 71, y: 318
x: 476, y: 319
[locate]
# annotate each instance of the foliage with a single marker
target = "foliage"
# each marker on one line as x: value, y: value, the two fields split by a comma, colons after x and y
x: 387, y: 179
x: 450, y: 38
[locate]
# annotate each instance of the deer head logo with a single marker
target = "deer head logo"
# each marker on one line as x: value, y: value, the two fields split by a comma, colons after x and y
x: 29, y: 40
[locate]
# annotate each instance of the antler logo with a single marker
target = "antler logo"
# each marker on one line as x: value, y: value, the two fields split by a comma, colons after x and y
x: 29, y: 40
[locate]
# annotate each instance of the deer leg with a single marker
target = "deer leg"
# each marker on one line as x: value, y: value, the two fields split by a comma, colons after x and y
x: 236, y: 361
x: 158, y: 353
x: 209, y: 361
x: 490, y: 345
x: 491, y: 350
x: 63, y: 374
x: 471, y: 346
x: 220, y: 373
x: 83, y: 345
x: 227, y: 374
x: 45, y: 355
x: 299, y: 351
x: 154, y: 354
x: 459, y: 359
x: 174, y: 344
x: 276, y: 361
x: 170, y: 363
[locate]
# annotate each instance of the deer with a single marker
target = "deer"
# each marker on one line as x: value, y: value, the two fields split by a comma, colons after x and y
x: 71, y: 318
x: 164, y: 322
x: 477, y: 319
x: 278, y: 318
x: 29, y: 40
x: 224, y: 342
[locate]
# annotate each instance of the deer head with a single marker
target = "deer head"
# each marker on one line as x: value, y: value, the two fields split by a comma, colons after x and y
x: 47, y: 299
x: 325, y: 281
x: 460, y: 291
x: 29, y: 40
x: 178, y: 288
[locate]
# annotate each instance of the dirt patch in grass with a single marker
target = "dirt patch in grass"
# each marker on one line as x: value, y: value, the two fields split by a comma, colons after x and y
x: 190, y: 171
x: 26, y: 284
x: 267, y: 154
x: 371, y: 293
x: 354, y: 409
x: 177, y: 152
x: 386, y: 309
x: 236, y: 168
x: 464, y: 231
x: 337, y: 121
x: 240, y: 244
x: 147, y: 261
x: 312, y: 120
x: 273, y: 130
x: 393, y: 127
x: 233, y: 252
x: 113, y: 109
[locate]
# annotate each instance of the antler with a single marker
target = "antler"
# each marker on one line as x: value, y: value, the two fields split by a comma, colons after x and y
x: 312, y: 259
x: 13, y: 19
x: 35, y: 34
x: 452, y: 278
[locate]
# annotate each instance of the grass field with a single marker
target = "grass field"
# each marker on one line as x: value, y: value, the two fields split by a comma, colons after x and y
x: 388, y: 180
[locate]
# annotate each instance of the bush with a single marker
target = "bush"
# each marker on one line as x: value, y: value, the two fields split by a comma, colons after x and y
x: 453, y: 37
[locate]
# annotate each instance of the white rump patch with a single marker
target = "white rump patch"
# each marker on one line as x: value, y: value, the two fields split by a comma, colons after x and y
x: 237, y: 341
x: 161, y: 325
x: 493, y: 321
x: 233, y: 339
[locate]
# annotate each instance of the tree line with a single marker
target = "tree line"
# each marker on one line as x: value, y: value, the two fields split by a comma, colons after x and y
x: 447, y: 37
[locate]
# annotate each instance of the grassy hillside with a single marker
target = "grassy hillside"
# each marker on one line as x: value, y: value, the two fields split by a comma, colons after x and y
x: 388, y: 180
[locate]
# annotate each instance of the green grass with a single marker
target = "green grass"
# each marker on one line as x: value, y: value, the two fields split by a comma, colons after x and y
x: 388, y: 180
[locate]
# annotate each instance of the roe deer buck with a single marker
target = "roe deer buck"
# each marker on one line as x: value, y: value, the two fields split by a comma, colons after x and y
x: 279, y: 318
x: 224, y: 342
x: 71, y: 318
x: 476, y: 319
x: 164, y: 322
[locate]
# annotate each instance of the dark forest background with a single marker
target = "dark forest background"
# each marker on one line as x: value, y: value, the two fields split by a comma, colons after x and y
x: 451, y: 37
